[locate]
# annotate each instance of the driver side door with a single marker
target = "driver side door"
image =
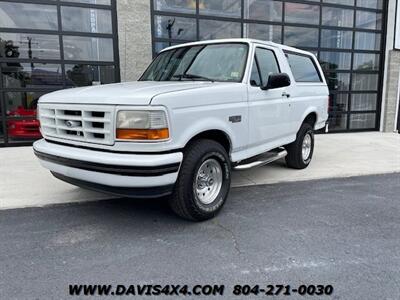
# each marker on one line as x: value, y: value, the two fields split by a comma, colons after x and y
x: 269, y: 110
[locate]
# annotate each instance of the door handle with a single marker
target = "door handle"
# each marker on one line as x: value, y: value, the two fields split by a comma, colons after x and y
x: 284, y: 94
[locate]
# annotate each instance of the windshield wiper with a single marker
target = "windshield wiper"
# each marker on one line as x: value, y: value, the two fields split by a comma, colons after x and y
x: 192, y: 76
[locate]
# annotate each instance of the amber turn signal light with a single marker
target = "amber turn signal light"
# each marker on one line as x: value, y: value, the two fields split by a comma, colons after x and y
x: 143, y: 134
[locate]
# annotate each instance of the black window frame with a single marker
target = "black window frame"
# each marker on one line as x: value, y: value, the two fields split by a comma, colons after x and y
x: 60, y: 33
x: 317, y: 49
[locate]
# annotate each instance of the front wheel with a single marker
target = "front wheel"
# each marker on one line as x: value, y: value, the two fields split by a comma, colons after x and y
x: 300, y: 152
x: 204, y: 181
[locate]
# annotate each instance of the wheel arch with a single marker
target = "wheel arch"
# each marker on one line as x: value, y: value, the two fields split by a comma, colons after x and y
x: 310, y: 117
x: 217, y: 135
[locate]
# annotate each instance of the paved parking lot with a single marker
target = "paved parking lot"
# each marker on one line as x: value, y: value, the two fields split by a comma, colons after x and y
x: 343, y: 232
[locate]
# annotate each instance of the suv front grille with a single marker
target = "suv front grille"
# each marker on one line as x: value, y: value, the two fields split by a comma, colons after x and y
x: 85, y: 123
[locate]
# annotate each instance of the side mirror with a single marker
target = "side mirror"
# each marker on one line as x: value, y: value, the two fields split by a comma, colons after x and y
x: 277, y: 81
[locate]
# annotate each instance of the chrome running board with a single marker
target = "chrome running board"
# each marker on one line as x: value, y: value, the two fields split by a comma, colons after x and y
x: 260, y: 160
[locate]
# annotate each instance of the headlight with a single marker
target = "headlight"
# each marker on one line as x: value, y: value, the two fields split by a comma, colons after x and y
x: 142, y: 125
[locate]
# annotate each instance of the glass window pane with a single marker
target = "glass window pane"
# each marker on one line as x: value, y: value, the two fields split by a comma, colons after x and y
x: 23, y: 106
x: 223, y: 62
x: 86, y: 19
x: 338, y: 102
x: 335, y: 60
x: 303, y: 68
x: 362, y: 121
x: 25, y: 75
x: 335, y: 16
x: 360, y: 102
x: 211, y: 29
x: 222, y: 8
x: 1, y: 133
x: 170, y: 63
x: 85, y: 75
x: 255, y: 75
x: 158, y: 46
x: 366, y: 61
x: 88, y: 48
x: 267, y: 63
x: 338, y: 81
x: 175, y: 27
x: 22, y: 103
x: 367, y: 41
x: 368, y: 20
x: 263, y: 32
x: 220, y: 62
x: 337, y: 122
x: 25, y: 15
x: 23, y: 130
x: 266, y: 10
x: 28, y: 45
x: 181, y: 6
x: 301, y: 36
x: 98, y: 2
x: 365, y: 82
x: 301, y: 13
x: 341, y: 2
x: 370, y: 3
x: 337, y: 39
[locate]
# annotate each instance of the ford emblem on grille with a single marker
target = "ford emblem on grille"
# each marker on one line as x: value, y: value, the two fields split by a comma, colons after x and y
x: 72, y: 124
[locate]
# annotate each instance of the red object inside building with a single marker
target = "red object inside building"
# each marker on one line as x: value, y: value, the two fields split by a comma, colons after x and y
x: 23, y: 128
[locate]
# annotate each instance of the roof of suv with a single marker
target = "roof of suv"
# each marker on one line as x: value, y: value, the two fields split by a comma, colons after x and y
x: 240, y: 40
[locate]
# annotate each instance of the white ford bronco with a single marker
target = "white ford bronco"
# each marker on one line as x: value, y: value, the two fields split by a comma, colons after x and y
x: 198, y: 112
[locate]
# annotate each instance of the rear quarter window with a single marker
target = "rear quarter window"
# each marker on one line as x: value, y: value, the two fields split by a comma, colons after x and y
x: 303, y: 67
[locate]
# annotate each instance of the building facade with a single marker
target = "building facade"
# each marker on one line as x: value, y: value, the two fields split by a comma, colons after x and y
x: 51, y: 45
x: 47, y: 45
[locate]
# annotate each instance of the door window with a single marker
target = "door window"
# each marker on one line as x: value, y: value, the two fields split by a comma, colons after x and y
x: 255, y: 75
x: 267, y: 63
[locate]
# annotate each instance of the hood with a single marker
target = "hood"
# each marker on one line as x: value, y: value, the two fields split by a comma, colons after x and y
x: 129, y: 93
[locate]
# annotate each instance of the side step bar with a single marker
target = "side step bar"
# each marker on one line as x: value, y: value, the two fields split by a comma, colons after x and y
x: 260, y: 160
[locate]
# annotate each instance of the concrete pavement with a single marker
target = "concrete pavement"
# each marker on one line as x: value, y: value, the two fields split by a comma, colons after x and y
x: 342, y: 232
x: 335, y: 155
x: 25, y: 184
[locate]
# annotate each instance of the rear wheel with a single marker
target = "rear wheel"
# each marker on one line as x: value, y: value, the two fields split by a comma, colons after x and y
x: 300, y: 152
x: 204, y: 181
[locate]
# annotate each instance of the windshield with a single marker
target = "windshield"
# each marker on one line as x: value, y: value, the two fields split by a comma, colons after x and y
x: 213, y: 62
